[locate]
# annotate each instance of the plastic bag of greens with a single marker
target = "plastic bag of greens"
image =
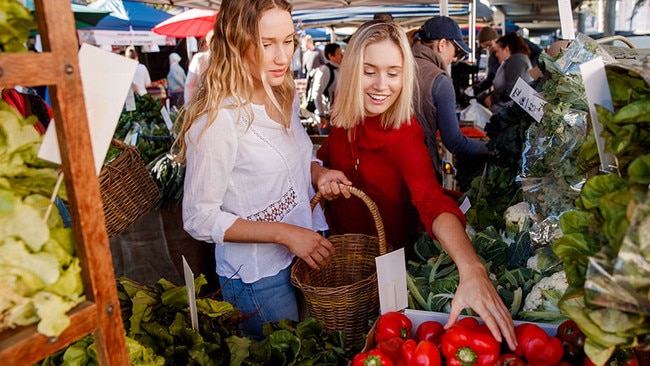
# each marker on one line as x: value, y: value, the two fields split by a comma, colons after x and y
x: 625, y: 283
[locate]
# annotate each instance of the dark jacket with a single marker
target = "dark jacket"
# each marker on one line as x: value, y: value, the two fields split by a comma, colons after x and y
x: 430, y: 65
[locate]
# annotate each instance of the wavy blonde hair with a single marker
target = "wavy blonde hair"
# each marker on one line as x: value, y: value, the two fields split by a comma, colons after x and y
x: 228, y: 75
x: 348, y: 111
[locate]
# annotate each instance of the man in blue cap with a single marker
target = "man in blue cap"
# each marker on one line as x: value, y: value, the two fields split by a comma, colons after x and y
x: 435, y: 104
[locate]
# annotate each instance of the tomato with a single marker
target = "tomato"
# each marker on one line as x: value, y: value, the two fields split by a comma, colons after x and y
x: 392, y: 324
x: 573, y: 341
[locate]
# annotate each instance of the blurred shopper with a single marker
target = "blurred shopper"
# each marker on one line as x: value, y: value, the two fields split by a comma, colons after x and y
x: 176, y: 80
x: 512, y: 52
x: 487, y: 38
x: 198, y: 63
x: 312, y: 57
x: 141, y: 79
x: 323, y: 86
x: 441, y: 42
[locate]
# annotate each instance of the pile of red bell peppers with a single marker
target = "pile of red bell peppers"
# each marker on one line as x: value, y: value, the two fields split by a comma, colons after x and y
x: 468, y: 343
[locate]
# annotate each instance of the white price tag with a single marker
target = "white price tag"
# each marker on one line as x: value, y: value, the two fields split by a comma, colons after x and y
x: 191, y: 296
x: 566, y: 19
x: 526, y: 97
x: 597, y: 90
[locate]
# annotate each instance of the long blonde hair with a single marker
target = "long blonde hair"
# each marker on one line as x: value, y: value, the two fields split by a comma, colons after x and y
x: 348, y: 111
x: 228, y: 75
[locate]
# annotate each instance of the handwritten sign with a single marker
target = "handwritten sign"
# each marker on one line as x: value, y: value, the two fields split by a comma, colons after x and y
x: 526, y: 97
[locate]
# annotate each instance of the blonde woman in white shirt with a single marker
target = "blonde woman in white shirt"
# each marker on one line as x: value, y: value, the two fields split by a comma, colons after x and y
x: 249, y: 169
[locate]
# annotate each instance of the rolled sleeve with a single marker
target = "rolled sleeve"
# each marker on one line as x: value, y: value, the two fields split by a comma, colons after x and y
x: 210, y: 158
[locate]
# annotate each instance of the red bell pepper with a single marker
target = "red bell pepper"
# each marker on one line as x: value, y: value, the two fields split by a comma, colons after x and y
x: 508, y: 359
x: 392, y: 348
x: 371, y: 358
x: 430, y: 331
x: 467, y: 343
x: 536, y: 346
x: 392, y: 324
x: 423, y: 353
x: 408, y: 348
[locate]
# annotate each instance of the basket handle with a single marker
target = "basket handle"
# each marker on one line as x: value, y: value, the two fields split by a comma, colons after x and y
x: 373, y: 211
x: 118, y: 144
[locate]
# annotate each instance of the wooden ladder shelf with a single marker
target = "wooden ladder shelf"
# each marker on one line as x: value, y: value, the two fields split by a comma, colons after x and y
x: 58, y: 68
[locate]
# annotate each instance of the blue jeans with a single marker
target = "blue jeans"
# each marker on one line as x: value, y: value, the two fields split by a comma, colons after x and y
x: 266, y: 300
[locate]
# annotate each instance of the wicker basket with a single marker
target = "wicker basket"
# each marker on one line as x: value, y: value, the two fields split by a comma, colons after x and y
x: 128, y: 189
x: 344, y: 294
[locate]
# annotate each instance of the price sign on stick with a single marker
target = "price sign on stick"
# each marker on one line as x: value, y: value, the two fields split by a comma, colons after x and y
x: 597, y: 90
x: 191, y: 294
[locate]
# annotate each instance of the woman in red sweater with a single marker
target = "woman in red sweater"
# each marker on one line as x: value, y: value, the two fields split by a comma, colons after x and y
x: 380, y: 147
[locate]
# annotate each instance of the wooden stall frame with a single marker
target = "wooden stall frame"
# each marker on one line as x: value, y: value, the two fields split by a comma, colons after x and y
x: 58, y: 67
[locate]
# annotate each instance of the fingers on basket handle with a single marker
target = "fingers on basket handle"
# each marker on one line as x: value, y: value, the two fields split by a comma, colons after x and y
x: 379, y: 225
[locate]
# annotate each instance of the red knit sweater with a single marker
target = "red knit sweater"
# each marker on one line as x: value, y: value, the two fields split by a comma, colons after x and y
x: 394, y: 169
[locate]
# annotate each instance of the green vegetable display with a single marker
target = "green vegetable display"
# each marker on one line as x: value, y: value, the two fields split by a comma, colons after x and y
x: 40, y: 276
x: 604, y: 284
x: 16, y: 23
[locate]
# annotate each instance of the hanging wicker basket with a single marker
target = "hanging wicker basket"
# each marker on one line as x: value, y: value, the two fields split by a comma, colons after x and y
x: 344, y: 295
x: 127, y: 188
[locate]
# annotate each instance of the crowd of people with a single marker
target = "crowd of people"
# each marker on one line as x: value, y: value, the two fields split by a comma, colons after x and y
x: 384, y: 102
x: 251, y: 169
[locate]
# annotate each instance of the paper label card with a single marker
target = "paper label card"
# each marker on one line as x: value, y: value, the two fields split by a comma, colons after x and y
x: 566, y: 19
x: 597, y: 91
x: 191, y: 294
x: 391, y: 281
x: 527, y: 98
x: 164, y: 112
x: 106, y: 79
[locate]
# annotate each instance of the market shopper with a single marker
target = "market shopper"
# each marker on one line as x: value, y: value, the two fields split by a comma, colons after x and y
x: 249, y: 168
x: 141, y: 78
x: 441, y: 42
x: 323, y: 84
x: 377, y: 143
x: 487, y: 38
x: 513, y: 54
x: 198, y: 63
x: 176, y: 80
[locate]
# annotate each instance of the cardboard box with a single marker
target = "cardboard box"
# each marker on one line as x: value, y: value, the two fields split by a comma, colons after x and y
x: 393, y: 293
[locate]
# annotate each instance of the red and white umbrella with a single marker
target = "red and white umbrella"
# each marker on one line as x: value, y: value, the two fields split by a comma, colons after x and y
x: 191, y: 23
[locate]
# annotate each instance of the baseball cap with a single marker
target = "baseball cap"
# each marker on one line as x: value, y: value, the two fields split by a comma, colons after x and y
x: 443, y: 27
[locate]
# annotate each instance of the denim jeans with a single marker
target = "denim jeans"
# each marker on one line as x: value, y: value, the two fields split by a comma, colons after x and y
x: 266, y: 300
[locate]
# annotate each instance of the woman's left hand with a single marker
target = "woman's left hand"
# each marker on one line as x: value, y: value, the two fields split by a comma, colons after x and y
x: 333, y: 183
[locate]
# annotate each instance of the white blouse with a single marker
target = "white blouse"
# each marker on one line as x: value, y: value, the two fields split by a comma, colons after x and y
x: 256, y: 173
